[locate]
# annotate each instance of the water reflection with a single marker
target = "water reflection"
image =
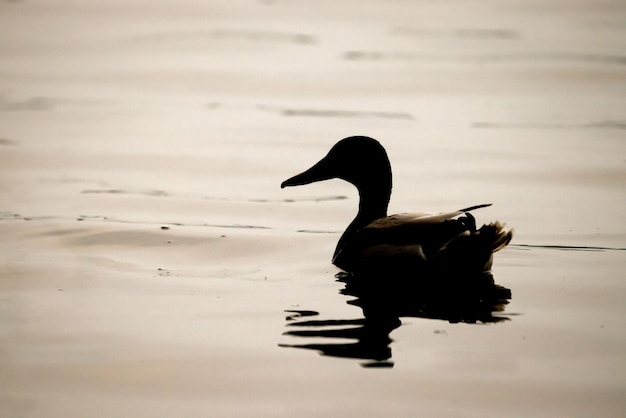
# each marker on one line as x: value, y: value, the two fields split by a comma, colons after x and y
x: 476, y: 300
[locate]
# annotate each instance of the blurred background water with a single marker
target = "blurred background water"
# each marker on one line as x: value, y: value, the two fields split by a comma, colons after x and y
x: 149, y: 253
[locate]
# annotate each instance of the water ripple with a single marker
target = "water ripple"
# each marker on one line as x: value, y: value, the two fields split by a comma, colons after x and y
x: 567, y: 247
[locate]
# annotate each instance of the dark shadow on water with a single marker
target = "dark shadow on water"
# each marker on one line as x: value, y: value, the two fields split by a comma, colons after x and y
x: 478, y: 300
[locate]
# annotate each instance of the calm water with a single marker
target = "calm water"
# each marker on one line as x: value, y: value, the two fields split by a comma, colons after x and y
x: 151, y: 264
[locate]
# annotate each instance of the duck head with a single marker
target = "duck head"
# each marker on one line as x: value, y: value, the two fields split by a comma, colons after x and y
x: 359, y: 160
x: 363, y: 162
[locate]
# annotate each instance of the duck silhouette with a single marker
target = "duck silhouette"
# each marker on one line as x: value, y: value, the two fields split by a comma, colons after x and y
x: 438, y: 248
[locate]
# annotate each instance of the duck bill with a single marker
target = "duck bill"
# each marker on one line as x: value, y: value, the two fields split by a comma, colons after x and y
x: 318, y: 172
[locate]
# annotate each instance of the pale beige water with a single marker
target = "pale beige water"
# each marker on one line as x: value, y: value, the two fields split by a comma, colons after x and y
x: 119, y: 118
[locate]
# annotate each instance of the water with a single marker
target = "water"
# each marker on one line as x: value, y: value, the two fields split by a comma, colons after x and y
x: 151, y: 264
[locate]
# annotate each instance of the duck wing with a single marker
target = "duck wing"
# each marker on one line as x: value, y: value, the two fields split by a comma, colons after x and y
x: 431, y: 231
x: 416, y: 236
x: 407, y: 221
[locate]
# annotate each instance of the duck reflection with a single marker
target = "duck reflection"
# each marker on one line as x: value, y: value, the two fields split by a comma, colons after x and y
x: 368, y: 338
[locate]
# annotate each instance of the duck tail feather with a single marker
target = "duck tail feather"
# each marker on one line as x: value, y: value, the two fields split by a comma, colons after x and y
x: 484, y: 205
x: 497, y: 233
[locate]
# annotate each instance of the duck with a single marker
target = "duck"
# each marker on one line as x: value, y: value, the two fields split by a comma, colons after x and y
x: 447, y: 245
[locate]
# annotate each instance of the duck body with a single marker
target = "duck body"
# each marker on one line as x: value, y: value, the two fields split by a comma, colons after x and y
x: 445, y: 245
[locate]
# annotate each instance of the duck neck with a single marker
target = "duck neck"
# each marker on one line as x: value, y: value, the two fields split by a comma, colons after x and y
x: 373, y: 205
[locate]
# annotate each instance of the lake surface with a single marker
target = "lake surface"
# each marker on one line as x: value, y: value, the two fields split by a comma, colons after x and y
x: 152, y: 266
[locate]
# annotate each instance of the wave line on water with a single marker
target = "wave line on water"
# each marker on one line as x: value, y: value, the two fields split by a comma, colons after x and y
x: 109, y: 219
x: 568, y: 247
